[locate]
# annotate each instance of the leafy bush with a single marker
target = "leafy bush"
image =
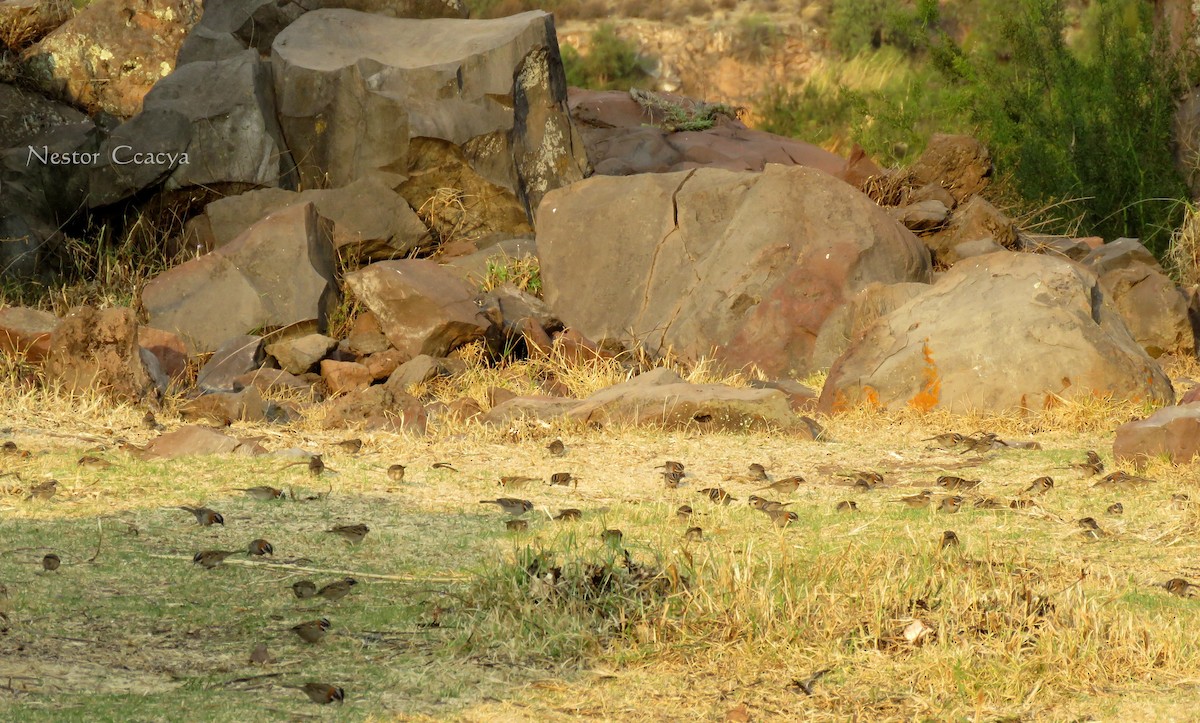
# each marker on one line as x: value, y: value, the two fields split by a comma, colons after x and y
x: 857, y: 25
x: 756, y: 37
x: 610, y: 64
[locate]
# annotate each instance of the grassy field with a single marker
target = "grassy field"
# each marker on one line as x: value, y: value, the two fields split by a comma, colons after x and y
x: 455, y: 617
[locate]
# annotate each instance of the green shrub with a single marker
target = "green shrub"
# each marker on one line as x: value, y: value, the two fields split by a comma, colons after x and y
x: 610, y: 64
x: 857, y: 25
x: 756, y: 37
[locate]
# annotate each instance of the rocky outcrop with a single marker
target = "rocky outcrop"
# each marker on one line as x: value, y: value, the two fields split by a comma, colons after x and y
x: 1171, y: 432
x: 743, y: 267
x: 97, y: 351
x: 996, y: 333
x: 26, y: 332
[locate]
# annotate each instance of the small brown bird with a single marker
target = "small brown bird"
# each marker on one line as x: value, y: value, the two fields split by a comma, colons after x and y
x: 989, y: 503
x: 259, y: 548
x: 693, y: 534
x: 151, y: 422
x: 94, y: 462
x: 1116, y: 508
x: 951, y: 482
x: 510, y: 505
x: 684, y: 513
x: 1021, y: 504
x: 950, y: 505
x: 260, y: 655
x: 1179, y: 586
x: 322, y: 693
x: 671, y: 466
x: 782, y: 518
x: 211, y: 558
x: 758, y: 473
x: 265, y: 493
x: 949, y: 440
x: 847, y: 506
x: 611, y: 537
x: 443, y: 465
x: 563, y: 479
x: 515, y: 482
x: 718, y: 495
x: 785, y: 486
x: 920, y: 501
x: 949, y: 539
x: 672, y: 478
x: 304, y: 589
x: 1091, y: 466
x: 351, y: 446
x: 351, y: 533
x: 570, y: 514
x: 1088, y: 523
x: 556, y: 448
x: 312, y: 631
x: 316, y: 465
x: 1121, y: 480
x: 865, y: 479
x: 337, y: 590
x: 205, y: 516
x: 516, y: 525
x: 43, y: 490
x: 51, y: 562
x: 1040, y: 486
x: 982, y: 442
x: 396, y: 473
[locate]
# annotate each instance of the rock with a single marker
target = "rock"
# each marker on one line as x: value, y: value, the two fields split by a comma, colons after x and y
x: 422, y: 308
x: 226, y: 408
x: 515, y: 304
x: 273, y: 381
x: 1119, y: 254
x: 279, y: 272
x: 978, y: 247
x: 520, y: 409
x: 1065, y: 246
x: 1153, y: 309
x: 922, y: 216
x: 680, y: 405
x: 300, y: 355
x: 97, y: 351
x: 1172, y: 431
x: 420, y: 369
x: 972, y: 221
x: 800, y: 398
x: 111, y: 53
x: 26, y: 332
x: 193, y: 441
x: 382, y: 364
x: 368, y: 344
x: 931, y: 192
x: 960, y: 164
x: 24, y: 115
x: 236, y: 356
x: 167, y: 348
x: 474, y: 268
x: 463, y: 108
x: 498, y: 395
x: 463, y: 409
x: 376, y: 408
x: 345, y: 377
x: 370, y: 221
x: 996, y: 334
x: 849, y: 321
x: 710, y: 262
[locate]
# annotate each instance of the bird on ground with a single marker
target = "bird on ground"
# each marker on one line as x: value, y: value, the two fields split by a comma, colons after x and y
x: 556, y: 448
x: 51, y: 562
x: 672, y: 479
x: 515, y: 482
x: 1040, y: 486
x: 684, y: 513
x: 89, y: 460
x: 786, y: 485
x: 782, y: 518
x: 1116, y: 508
x: 151, y: 422
x: 988, y: 503
x: 758, y: 473
x: 950, y: 505
x: 516, y: 525
x: 209, y: 559
x: 847, y: 506
x: 951, y: 482
x: 510, y: 505
x: 612, y: 537
x: 693, y: 534
x: 1021, y: 504
x: 204, y: 516
x: 920, y: 501
x: 718, y: 495
x: 1091, y: 466
x: 443, y: 465
x: 351, y: 533
x: 396, y: 473
x: 949, y: 440
x: 1179, y: 586
x: 304, y: 589
x: 351, y: 446
x: 949, y: 539
x: 569, y: 514
x: 260, y: 547
x: 322, y: 693
x: 672, y: 466
x: 563, y: 479
x: 260, y: 655
x: 337, y: 590
x: 262, y: 492
x: 982, y: 442
x: 312, y: 631
x: 43, y: 490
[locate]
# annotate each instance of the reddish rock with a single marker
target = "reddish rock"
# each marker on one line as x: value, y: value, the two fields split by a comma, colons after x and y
x: 345, y: 377
x: 193, y: 440
x: 1173, y: 432
x: 545, y: 409
x: 98, y: 351
x: 960, y: 164
x: 499, y: 395
x: 227, y: 407
x: 273, y: 381
x: 26, y: 332
x: 463, y: 409
x: 301, y: 354
x: 236, y: 356
x: 376, y: 408
x: 800, y: 398
x: 382, y: 364
x: 168, y: 348
x: 418, y: 370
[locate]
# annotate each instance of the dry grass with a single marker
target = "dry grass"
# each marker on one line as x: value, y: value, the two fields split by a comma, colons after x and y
x: 1183, y: 253
x: 20, y: 28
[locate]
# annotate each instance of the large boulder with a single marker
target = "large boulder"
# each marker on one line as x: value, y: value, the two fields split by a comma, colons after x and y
x: 997, y: 333
x: 421, y: 307
x: 26, y: 333
x: 744, y: 267
x: 97, y: 351
x: 109, y: 55
x: 281, y: 271
x: 1172, y: 432
x: 473, y: 112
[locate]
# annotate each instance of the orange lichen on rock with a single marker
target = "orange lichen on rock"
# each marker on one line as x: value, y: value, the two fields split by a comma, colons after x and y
x: 931, y: 388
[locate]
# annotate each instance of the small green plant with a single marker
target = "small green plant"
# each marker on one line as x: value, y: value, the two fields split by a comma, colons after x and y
x: 611, y: 62
x: 857, y: 25
x: 523, y: 272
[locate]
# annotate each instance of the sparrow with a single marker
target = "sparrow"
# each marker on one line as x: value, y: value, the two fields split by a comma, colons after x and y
x: 949, y: 440
x: 563, y: 479
x: 396, y: 473
x: 260, y: 656
x: 1179, y: 586
x: 1021, y: 504
x: 1116, y: 508
x: 984, y: 442
x: 304, y: 589
x: 43, y: 490
x: 556, y: 448
x: 205, y: 516
x: 337, y: 590
x: 693, y: 534
x: 262, y: 492
x: 322, y: 693
x: 951, y: 482
x: 516, y: 525
x: 671, y: 466
x: 1090, y: 467
x: 988, y: 503
x: 51, y: 562
x: 211, y: 558
x: 867, y: 480
x: 920, y: 501
x: 949, y: 539
x: 807, y: 684
x: 93, y: 461
x: 1039, y: 486
x: 510, y: 505
x: 672, y: 478
x: 312, y: 631
x: 1121, y: 480
x: 718, y: 495
x: 569, y: 514
x: 351, y: 533
x: 151, y: 422
x: 785, y: 486
x: 950, y: 505
x: 1088, y: 523
x: 260, y: 547
x: 443, y: 465
x: 611, y: 537
x: 847, y: 506
x: 316, y: 465
x: 758, y: 473
x: 351, y: 446
x: 683, y: 513
x: 782, y: 518
x: 515, y: 482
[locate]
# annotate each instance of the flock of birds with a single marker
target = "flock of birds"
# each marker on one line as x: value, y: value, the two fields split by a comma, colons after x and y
x: 958, y: 492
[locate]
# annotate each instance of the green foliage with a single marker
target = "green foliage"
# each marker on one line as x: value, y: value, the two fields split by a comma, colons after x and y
x: 610, y: 64
x: 857, y: 25
x: 756, y: 37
